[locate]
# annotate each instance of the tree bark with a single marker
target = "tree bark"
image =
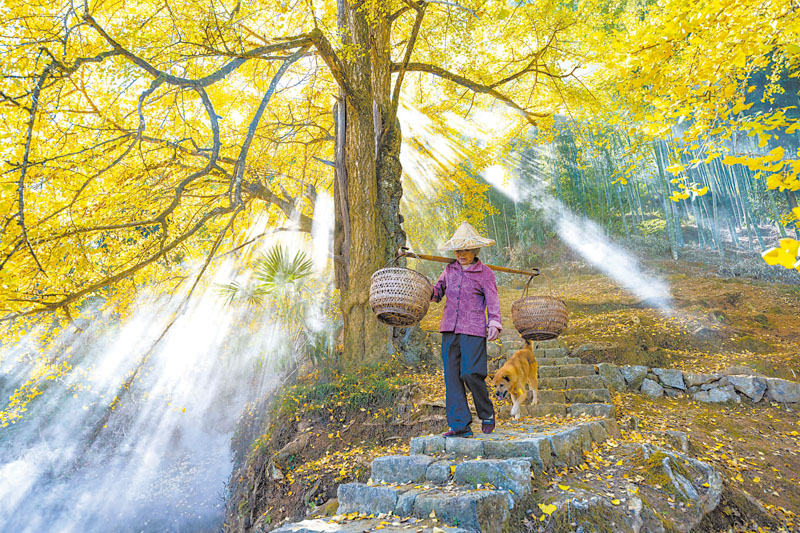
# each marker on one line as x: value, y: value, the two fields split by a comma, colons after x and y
x: 368, y: 230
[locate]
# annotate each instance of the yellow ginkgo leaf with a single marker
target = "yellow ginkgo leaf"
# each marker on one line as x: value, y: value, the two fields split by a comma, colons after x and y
x: 790, y: 245
x: 615, y: 501
x: 775, y: 256
x: 775, y: 155
x: 563, y: 487
x: 675, y: 168
x: 548, y: 509
x: 756, y: 480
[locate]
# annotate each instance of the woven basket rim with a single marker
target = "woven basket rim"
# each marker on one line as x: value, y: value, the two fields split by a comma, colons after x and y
x: 417, y: 272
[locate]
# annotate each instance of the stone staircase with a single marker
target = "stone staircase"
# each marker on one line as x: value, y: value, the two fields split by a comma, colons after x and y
x: 567, y: 387
x: 470, y: 484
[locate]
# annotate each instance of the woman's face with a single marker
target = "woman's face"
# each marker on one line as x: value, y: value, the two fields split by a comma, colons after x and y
x: 465, y: 257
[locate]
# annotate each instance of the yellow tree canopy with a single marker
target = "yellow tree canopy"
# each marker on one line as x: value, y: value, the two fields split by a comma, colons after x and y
x: 146, y: 137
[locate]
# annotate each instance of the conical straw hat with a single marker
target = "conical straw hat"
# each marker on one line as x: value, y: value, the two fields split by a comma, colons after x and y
x: 465, y: 238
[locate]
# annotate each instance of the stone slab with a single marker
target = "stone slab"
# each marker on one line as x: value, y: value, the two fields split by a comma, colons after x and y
x: 551, y: 396
x: 670, y: 377
x: 400, y: 468
x: 508, y: 474
x: 485, y: 511
x: 546, y: 409
x: 592, y: 409
x: 633, y: 374
x: 542, y: 361
x: 588, y: 396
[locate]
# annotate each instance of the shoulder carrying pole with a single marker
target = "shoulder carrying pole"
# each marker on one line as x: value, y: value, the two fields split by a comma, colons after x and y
x: 403, y: 251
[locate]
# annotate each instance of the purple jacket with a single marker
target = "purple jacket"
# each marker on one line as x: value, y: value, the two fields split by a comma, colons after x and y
x: 469, y: 291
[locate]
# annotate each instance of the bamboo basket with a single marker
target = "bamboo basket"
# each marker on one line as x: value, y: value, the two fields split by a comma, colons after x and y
x: 399, y: 296
x: 539, y: 318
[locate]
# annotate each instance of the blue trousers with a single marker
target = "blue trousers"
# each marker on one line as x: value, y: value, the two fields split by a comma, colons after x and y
x: 464, y: 358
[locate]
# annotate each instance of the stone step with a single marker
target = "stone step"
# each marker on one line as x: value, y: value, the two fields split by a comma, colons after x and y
x: 545, y: 345
x: 607, y: 410
x: 484, y: 510
x: 545, y: 409
x: 507, y: 474
x: 541, y: 445
x: 565, y: 371
x: 360, y: 525
x: 557, y: 361
x: 583, y: 382
x: 551, y: 353
x: 587, y: 396
x: 550, y: 396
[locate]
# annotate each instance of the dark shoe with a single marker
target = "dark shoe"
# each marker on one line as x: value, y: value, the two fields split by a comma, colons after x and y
x: 458, y: 433
x: 487, y: 426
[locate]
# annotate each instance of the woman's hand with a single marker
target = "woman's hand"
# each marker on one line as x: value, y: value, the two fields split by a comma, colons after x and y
x: 492, y: 333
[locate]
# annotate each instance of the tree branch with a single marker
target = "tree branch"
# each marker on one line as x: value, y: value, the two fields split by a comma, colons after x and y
x: 409, y: 49
x: 236, y: 184
x: 207, y: 80
x: 472, y: 85
x: 334, y: 63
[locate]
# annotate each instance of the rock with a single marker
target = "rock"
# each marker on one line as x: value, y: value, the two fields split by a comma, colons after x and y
x: 652, y: 389
x: 538, y: 450
x: 568, y: 446
x: 672, y: 393
x: 439, y: 472
x: 722, y: 382
x: 633, y: 375
x: 675, y: 494
x: 460, y: 446
x: 494, y: 349
x: 651, y: 377
x: 400, y: 468
x: 430, y: 444
x: 691, y: 379
x: 677, y: 439
x: 288, y: 452
x: 611, y: 376
x: 356, y: 497
x: 592, y: 409
x: 717, y: 395
x: 739, y: 370
x: 783, y: 390
x: 405, y: 502
x: 750, y: 386
x: 508, y: 474
x: 588, y: 396
x: 486, y: 511
x: 275, y: 472
x: 670, y: 377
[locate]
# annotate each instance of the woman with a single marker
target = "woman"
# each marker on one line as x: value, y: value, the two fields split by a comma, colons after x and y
x: 471, y: 290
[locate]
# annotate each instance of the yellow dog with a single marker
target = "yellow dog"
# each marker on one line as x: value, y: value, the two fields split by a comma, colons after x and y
x: 514, y: 374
